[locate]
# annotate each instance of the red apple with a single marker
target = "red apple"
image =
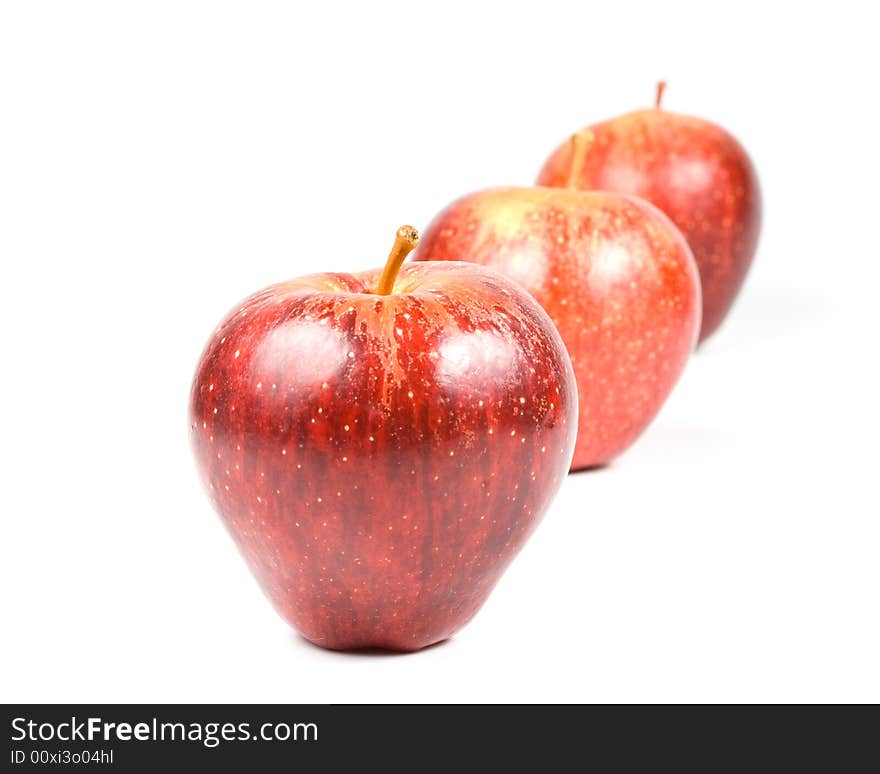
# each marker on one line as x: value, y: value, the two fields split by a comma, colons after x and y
x: 380, y: 447
x: 694, y: 171
x: 615, y: 276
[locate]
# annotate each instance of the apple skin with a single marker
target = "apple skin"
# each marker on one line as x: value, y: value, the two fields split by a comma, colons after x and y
x: 693, y: 170
x: 380, y: 459
x: 615, y: 276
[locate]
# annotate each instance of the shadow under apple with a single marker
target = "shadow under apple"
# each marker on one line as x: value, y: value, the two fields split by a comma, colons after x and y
x: 301, y: 641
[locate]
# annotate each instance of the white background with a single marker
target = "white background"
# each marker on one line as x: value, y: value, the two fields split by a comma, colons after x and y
x: 159, y: 161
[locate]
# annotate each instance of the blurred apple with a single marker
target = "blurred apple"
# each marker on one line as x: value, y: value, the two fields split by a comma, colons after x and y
x: 693, y: 170
x: 617, y: 279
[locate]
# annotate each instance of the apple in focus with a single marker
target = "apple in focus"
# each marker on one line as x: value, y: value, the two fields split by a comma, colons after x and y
x: 693, y: 170
x: 615, y: 276
x: 381, y: 445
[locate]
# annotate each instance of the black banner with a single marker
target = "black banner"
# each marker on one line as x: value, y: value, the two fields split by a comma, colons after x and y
x: 268, y: 737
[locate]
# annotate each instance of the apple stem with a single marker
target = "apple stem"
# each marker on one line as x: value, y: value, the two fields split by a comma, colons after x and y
x: 404, y: 243
x: 661, y: 87
x: 580, y: 144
